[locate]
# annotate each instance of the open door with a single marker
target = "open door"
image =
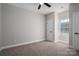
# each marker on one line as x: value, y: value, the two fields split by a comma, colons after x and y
x: 50, y: 27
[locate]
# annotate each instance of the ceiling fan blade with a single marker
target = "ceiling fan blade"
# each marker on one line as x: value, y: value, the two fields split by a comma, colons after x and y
x: 47, y: 4
x: 39, y: 6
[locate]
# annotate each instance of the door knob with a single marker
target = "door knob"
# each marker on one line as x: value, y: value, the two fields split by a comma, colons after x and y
x: 76, y: 33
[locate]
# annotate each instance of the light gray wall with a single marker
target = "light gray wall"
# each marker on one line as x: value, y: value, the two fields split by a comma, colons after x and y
x: 74, y: 7
x: 0, y: 27
x: 64, y: 15
x: 20, y: 26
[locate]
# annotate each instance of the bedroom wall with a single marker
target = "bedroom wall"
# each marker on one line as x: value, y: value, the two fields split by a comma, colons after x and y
x: 21, y: 26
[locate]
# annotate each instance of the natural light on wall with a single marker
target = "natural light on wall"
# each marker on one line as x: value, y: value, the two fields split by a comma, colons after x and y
x: 65, y: 20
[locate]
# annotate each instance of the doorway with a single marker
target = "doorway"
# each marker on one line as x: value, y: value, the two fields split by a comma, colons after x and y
x: 63, y: 27
x: 57, y: 27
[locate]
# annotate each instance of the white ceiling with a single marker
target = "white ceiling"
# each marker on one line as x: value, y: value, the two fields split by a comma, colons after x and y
x: 56, y: 7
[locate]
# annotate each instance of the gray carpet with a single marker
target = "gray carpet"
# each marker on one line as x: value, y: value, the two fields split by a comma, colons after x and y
x: 43, y: 48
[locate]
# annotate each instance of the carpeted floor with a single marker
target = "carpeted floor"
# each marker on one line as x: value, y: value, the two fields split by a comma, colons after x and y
x: 43, y: 48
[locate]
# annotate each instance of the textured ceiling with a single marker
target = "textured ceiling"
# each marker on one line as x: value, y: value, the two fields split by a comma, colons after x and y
x: 56, y: 7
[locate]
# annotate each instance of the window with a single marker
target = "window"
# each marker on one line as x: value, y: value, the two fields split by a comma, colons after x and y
x: 64, y: 25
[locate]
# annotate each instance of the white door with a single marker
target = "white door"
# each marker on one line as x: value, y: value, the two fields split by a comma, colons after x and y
x: 76, y: 30
x: 50, y: 27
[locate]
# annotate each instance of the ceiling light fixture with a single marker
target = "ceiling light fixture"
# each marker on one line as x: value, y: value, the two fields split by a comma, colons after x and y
x: 40, y: 4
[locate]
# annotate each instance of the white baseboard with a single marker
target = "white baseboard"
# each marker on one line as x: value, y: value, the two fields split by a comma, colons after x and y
x: 62, y: 41
x: 10, y: 46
